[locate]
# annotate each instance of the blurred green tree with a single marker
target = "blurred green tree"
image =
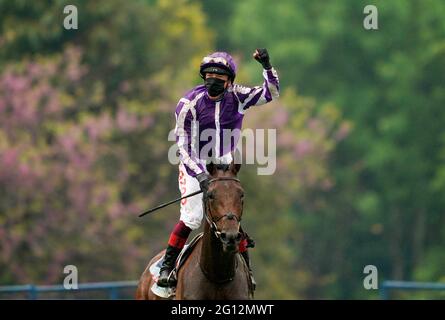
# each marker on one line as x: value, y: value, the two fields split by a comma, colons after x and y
x: 80, y: 152
x: 386, y: 206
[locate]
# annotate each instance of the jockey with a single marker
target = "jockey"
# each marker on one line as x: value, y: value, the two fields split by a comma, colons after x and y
x: 214, y: 106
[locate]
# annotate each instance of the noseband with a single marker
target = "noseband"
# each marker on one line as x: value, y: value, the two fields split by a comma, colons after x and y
x: 212, y: 222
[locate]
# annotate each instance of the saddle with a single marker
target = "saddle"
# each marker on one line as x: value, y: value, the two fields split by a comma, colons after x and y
x: 155, y: 268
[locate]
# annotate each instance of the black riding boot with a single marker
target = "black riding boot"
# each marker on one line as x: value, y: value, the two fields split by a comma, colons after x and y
x: 245, y: 255
x: 165, y: 280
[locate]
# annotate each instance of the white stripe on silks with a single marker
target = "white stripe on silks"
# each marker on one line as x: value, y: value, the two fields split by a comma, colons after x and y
x: 184, y: 100
x: 272, y: 87
x: 194, y: 130
x: 274, y: 91
x: 186, y: 159
x: 267, y: 85
x: 274, y: 73
x: 252, y: 95
x: 218, y: 128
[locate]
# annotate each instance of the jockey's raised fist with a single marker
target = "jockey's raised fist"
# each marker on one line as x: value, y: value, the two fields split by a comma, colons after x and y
x: 262, y: 56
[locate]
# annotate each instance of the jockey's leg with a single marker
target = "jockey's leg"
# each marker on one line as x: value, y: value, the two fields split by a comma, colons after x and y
x: 244, y: 244
x: 250, y: 242
x: 176, y: 242
x: 191, y: 217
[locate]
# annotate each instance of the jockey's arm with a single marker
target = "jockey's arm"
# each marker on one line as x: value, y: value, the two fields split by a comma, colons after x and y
x: 184, y: 138
x: 258, y: 95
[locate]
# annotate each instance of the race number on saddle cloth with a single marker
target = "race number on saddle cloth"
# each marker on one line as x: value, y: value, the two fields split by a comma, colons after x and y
x: 209, y: 129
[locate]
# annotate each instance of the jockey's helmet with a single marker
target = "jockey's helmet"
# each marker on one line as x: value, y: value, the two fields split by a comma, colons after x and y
x: 220, y: 63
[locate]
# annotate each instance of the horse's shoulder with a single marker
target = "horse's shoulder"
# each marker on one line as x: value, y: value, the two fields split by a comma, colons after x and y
x: 188, y: 250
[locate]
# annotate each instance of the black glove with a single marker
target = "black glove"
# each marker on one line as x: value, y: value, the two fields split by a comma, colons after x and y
x: 262, y: 56
x: 203, y: 179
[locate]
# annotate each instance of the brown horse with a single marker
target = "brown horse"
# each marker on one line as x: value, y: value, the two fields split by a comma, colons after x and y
x: 215, y: 269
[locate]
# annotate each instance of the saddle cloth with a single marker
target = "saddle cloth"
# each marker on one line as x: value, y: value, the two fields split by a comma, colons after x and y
x: 155, y: 268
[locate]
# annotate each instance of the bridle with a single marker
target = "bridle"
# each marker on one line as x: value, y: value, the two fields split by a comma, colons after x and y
x: 212, y: 222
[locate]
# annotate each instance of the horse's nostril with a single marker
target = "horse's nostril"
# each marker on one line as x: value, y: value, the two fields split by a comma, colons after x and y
x: 223, y: 236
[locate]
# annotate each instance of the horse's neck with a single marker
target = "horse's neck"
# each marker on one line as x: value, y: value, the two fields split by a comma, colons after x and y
x: 217, y: 265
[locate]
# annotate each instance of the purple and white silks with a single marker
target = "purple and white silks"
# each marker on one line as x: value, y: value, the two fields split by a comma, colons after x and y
x: 202, y: 122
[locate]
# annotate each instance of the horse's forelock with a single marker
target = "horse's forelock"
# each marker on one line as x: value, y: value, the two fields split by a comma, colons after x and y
x: 223, y: 167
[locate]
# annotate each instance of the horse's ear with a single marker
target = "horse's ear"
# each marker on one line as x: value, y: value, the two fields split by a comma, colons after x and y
x: 235, y: 167
x: 211, y: 168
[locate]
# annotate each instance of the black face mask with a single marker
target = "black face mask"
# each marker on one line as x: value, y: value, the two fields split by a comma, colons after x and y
x: 214, y: 86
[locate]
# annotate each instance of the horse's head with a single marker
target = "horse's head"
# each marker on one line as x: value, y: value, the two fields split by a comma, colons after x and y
x: 223, y: 204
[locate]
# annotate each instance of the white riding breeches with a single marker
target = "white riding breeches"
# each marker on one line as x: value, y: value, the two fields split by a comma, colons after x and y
x: 191, y: 208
